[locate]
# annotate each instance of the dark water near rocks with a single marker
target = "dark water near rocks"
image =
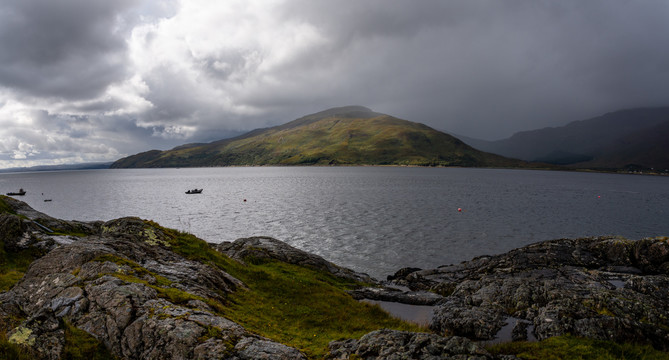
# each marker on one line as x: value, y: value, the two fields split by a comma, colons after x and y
x: 371, y: 219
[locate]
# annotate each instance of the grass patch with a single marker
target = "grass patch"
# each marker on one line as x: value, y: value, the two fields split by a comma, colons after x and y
x: 59, y: 232
x: 4, y: 207
x: 13, y: 264
x: 80, y: 345
x: 293, y: 305
x: 304, y: 308
x: 572, y: 347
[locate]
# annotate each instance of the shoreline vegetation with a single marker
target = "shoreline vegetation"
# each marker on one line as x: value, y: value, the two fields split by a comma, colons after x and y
x: 130, y: 288
x: 539, y: 168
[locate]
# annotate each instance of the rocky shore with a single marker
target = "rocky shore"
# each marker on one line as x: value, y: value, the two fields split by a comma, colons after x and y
x: 143, y: 292
x: 606, y: 288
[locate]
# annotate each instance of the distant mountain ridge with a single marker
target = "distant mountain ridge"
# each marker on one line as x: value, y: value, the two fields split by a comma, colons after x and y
x: 351, y: 135
x: 632, y: 138
x: 62, y: 167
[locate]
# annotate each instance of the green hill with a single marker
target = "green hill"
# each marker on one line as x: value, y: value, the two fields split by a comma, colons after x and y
x: 352, y: 135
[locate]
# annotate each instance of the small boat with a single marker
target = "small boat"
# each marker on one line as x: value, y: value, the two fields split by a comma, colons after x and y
x: 194, y: 191
x: 47, y: 200
x: 21, y: 192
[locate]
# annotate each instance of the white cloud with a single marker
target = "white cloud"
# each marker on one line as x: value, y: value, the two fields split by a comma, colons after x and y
x: 214, y: 56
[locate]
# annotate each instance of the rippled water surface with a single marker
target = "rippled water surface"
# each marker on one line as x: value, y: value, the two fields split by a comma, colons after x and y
x: 371, y: 219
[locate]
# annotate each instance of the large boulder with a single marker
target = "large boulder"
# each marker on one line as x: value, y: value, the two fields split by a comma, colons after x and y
x: 262, y: 247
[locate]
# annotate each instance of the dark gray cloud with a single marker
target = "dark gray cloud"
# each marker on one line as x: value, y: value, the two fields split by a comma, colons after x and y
x: 71, y: 48
x: 493, y: 68
x: 113, y: 78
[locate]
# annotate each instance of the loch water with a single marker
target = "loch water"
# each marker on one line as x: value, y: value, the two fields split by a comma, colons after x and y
x: 371, y: 219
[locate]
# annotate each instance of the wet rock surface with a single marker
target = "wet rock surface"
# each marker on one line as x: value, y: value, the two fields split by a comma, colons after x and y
x: 605, y: 288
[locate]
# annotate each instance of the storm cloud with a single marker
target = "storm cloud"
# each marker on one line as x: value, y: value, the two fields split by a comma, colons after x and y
x: 96, y: 80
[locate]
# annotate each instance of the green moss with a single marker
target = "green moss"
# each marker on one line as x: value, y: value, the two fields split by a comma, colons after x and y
x: 606, y: 312
x: 80, y: 345
x: 214, y: 332
x: 176, y: 296
x: 598, y: 307
x: 137, y: 269
x: 571, y: 347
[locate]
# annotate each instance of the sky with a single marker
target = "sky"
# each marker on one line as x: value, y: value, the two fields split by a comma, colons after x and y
x: 97, y: 80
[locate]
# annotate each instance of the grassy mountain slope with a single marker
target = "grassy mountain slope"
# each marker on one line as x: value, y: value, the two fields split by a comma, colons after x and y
x: 619, y: 139
x: 349, y: 135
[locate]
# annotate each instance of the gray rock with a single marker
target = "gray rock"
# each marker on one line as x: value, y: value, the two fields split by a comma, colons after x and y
x: 262, y: 349
x: 396, y: 295
x: 112, y: 286
x: 262, y: 247
x: 605, y: 288
x: 392, y: 344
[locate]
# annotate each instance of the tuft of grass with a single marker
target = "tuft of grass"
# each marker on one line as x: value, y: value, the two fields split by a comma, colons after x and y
x: 572, y: 347
x: 9, y: 278
x: 80, y: 345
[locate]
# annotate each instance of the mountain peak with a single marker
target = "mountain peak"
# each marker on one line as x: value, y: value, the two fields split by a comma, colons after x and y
x: 345, y: 111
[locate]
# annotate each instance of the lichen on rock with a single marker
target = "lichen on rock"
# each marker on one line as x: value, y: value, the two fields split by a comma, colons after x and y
x: 22, y: 336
